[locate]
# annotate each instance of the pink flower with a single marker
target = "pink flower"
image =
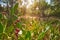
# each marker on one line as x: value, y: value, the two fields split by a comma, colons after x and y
x: 17, y: 31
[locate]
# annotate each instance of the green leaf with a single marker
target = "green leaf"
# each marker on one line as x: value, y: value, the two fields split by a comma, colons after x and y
x: 14, y: 17
x: 0, y: 36
x: 16, y: 6
x: 1, y: 28
x: 19, y: 25
x: 12, y: 10
x: 21, y: 38
x: 11, y: 28
x: 0, y: 16
x: 28, y: 35
x: 41, y: 35
x: 9, y: 22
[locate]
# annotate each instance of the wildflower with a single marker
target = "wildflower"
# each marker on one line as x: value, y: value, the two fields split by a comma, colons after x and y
x: 16, y: 31
x: 47, y: 28
x: 17, y: 20
x: 20, y: 32
x: 42, y: 30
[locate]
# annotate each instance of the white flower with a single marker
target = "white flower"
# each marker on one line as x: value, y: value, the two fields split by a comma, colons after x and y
x: 20, y: 32
x: 42, y: 30
x: 47, y: 28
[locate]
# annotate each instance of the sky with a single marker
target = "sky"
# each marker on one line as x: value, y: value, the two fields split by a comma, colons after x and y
x: 48, y: 1
x: 5, y: 4
x: 2, y: 4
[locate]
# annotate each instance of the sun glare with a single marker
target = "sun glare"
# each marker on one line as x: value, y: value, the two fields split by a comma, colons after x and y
x: 27, y: 3
x: 30, y: 2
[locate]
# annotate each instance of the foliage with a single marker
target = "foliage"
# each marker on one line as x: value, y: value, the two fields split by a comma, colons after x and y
x: 15, y: 27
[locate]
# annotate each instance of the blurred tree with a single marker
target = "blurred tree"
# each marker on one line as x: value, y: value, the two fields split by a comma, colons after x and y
x: 1, y: 8
x: 42, y: 7
x: 56, y: 8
